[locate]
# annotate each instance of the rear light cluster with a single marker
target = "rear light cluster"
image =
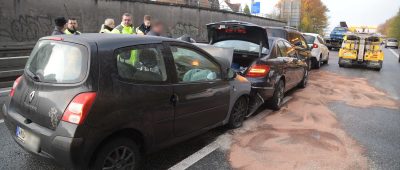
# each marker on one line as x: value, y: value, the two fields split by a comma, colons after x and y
x: 258, y: 70
x: 79, y: 107
x: 16, y: 82
x: 315, y: 45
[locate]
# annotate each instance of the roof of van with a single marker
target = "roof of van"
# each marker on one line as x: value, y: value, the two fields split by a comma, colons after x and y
x: 104, y: 40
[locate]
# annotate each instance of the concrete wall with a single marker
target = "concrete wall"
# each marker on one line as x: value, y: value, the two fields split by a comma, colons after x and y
x: 24, y: 21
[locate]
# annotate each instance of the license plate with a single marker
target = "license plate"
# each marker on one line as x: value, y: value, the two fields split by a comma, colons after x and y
x: 30, y: 140
x: 21, y: 134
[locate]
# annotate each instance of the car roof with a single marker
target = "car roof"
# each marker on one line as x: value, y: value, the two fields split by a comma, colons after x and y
x: 105, y: 40
x: 282, y: 28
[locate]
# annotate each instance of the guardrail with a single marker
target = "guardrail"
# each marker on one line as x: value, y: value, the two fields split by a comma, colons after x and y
x: 12, y: 66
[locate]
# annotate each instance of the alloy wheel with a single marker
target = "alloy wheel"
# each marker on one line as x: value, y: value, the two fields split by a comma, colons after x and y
x: 120, y: 158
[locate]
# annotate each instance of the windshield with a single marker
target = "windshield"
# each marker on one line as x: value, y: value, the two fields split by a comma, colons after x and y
x: 392, y: 40
x: 310, y: 39
x: 242, y: 46
x: 57, y: 62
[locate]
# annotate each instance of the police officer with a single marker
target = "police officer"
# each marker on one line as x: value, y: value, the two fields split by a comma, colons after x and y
x: 72, y: 27
x: 108, y: 26
x: 60, y: 26
x: 126, y: 25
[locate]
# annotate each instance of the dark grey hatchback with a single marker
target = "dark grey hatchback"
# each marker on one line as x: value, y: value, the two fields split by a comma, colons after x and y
x: 100, y: 101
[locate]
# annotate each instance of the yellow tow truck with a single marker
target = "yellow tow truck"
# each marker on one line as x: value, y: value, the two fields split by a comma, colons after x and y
x: 361, y: 47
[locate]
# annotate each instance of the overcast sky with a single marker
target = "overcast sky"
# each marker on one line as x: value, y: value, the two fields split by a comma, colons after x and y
x: 354, y: 12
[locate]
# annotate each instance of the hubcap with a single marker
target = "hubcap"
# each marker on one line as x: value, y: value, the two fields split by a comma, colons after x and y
x: 120, y: 158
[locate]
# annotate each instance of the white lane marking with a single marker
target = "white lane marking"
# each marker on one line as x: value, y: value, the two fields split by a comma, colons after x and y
x: 1, y: 120
x: 394, y: 53
x: 189, y: 161
x: 192, y: 159
x: 18, y: 57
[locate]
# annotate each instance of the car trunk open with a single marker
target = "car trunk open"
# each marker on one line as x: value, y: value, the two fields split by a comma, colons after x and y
x: 250, y: 42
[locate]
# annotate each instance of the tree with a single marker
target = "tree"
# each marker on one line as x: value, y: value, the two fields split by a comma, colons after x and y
x: 313, y: 16
x: 246, y: 10
x: 391, y: 27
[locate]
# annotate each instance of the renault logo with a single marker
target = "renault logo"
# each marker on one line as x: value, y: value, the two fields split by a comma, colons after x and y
x: 31, y: 96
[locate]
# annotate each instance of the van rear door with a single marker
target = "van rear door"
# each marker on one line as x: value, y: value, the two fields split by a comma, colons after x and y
x: 53, y: 76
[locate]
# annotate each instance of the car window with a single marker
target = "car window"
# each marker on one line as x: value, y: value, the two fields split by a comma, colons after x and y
x: 58, y: 62
x: 276, y: 33
x: 192, y: 66
x: 141, y: 64
x: 282, y: 49
x: 310, y: 39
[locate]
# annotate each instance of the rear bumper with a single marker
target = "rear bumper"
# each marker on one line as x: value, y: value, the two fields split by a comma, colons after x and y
x: 63, y: 150
x: 365, y: 63
x: 262, y: 87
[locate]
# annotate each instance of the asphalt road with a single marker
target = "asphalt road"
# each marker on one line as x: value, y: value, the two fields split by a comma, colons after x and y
x: 376, y: 129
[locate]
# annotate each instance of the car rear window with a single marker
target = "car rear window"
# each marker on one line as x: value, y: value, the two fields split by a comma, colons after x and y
x: 310, y: 39
x: 392, y: 40
x: 276, y: 33
x: 58, y: 62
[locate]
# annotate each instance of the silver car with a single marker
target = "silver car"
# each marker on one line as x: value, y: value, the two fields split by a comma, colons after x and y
x: 392, y: 42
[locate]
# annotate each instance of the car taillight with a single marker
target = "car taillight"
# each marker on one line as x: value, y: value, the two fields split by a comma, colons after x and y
x: 258, y: 70
x: 315, y: 46
x: 16, y: 82
x: 79, y: 107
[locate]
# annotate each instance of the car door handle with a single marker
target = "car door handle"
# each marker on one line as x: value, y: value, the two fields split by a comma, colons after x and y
x: 174, y: 99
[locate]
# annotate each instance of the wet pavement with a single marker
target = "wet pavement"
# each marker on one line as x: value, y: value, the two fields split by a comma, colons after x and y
x: 375, y: 129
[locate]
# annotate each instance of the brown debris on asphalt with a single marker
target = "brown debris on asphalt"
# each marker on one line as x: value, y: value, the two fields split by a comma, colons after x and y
x: 305, y: 134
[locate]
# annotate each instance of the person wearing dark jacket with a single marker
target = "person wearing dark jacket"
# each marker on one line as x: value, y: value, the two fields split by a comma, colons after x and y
x: 157, y: 28
x: 145, y: 27
x: 60, y: 27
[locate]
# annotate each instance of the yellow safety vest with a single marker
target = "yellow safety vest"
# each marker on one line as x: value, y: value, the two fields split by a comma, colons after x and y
x: 121, y: 29
x: 67, y: 32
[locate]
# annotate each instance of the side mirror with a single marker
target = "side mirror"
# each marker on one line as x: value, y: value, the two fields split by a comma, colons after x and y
x: 231, y: 74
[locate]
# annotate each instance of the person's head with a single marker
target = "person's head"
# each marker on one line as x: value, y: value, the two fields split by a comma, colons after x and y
x: 127, y: 19
x: 72, y: 24
x: 147, y: 20
x: 61, y: 23
x: 157, y: 26
x: 109, y: 22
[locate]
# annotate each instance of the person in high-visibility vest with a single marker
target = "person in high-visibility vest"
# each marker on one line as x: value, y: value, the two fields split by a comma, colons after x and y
x: 126, y: 28
x: 72, y: 27
x: 108, y: 26
x: 126, y: 25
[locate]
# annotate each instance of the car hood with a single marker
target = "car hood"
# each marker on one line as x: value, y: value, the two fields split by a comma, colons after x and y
x: 237, y: 30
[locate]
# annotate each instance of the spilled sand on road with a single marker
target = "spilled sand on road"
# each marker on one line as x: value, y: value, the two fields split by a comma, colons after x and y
x: 305, y: 134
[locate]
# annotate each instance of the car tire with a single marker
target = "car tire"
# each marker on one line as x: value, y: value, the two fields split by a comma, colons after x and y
x: 120, y: 153
x: 309, y: 64
x: 276, y: 101
x: 327, y: 60
x: 317, y: 64
x: 238, y: 113
x: 304, y: 81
